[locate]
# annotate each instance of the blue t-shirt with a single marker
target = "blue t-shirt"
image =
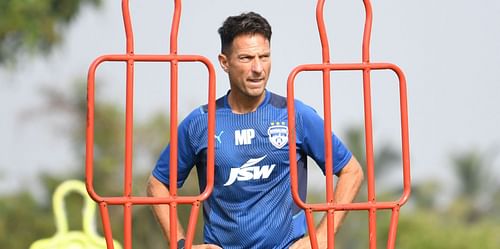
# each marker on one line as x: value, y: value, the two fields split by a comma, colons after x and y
x: 251, y: 205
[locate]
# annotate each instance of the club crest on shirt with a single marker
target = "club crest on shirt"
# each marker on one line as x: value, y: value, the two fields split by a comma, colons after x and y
x: 278, y: 134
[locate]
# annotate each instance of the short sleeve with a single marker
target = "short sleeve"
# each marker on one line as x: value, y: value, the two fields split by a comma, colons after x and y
x: 310, y: 134
x: 185, y: 156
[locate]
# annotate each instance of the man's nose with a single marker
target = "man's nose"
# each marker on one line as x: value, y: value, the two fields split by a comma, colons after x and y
x: 257, y: 66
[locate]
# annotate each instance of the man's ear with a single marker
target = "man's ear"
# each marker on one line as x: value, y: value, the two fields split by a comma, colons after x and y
x: 223, y: 62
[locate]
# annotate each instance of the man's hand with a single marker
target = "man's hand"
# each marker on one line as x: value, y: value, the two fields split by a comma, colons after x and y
x: 303, y: 243
x: 206, y: 246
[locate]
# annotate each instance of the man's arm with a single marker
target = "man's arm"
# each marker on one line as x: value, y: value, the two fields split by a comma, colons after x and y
x: 162, y: 212
x: 349, y: 182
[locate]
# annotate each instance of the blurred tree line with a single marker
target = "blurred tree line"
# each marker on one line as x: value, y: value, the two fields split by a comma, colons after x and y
x: 35, y: 27
x: 469, y: 220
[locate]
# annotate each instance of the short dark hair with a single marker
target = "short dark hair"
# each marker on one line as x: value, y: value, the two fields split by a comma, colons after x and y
x: 249, y: 23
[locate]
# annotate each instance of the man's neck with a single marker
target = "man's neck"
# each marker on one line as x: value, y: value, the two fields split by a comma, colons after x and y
x: 244, y: 104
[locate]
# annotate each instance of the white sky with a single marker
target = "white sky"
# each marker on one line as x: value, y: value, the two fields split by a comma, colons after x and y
x: 449, y: 51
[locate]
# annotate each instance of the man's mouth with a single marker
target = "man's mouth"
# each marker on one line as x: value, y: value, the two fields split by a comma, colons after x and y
x: 257, y: 80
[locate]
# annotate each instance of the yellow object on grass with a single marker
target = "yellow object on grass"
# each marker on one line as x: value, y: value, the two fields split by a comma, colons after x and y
x: 65, y: 239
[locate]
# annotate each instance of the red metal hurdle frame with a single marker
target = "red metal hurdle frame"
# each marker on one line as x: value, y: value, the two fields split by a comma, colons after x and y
x: 371, y: 205
x: 128, y: 200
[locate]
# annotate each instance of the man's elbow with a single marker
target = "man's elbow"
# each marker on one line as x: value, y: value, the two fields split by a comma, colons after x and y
x: 356, y: 171
x: 156, y: 188
x: 152, y: 186
x: 359, y: 175
x: 359, y: 171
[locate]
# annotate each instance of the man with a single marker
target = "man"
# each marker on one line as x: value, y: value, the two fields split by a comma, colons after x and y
x: 251, y: 205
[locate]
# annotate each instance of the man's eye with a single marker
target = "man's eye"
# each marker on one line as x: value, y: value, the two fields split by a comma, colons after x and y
x: 245, y: 58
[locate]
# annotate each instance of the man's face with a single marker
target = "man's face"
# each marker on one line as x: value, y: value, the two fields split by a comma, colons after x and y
x: 248, y: 65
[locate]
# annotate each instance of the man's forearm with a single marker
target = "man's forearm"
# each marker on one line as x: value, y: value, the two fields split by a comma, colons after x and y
x: 162, y: 212
x: 347, y: 188
x: 348, y: 185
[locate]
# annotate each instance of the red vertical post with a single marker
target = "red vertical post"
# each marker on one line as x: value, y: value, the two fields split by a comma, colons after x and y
x: 328, y: 120
x: 129, y: 125
x: 173, y: 123
x: 108, y: 235
x: 370, y: 161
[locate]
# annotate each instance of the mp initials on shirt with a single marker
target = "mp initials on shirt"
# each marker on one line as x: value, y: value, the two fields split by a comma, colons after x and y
x: 243, y: 137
